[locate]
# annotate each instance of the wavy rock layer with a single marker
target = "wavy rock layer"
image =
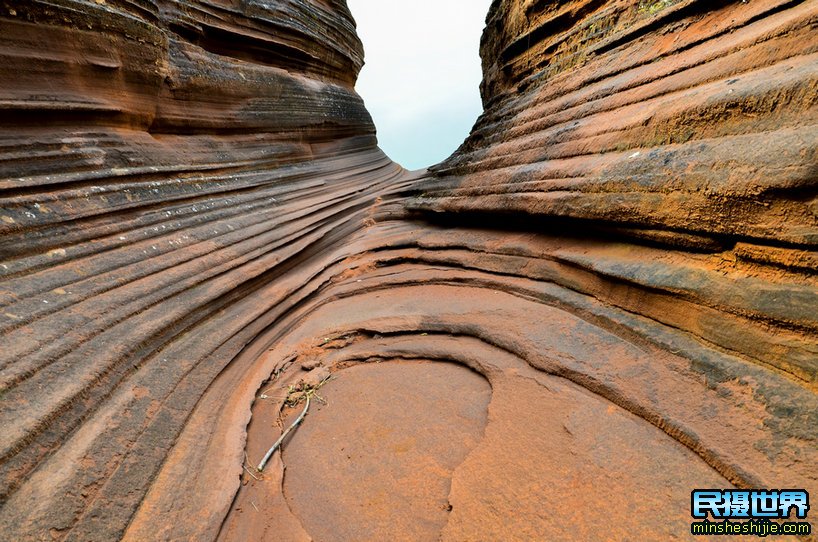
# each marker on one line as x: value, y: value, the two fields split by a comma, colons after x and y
x: 193, y: 204
x: 682, y: 137
x: 171, y: 172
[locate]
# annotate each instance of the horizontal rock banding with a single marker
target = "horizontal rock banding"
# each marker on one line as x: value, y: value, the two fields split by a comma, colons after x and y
x: 162, y: 165
x: 679, y: 123
x: 192, y: 200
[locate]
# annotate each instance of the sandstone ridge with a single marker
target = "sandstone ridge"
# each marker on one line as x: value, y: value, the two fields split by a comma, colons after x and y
x: 193, y: 206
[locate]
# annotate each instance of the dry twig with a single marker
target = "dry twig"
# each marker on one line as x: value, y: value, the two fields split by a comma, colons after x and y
x: 275, y: 446
x: 251, y: 473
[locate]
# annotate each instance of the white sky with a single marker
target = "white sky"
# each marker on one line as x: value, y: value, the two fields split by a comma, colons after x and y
x: 422, y: 74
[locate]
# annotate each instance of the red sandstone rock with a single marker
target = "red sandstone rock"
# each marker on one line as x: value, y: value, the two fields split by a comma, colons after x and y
x: 192, y: 201
x: 310, y: 364
x: 315, y: 377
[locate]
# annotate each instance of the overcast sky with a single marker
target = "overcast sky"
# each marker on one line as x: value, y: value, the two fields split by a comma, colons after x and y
x: 422, y: 74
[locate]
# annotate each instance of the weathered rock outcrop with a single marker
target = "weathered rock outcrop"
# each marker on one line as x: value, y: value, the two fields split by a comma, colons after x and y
x: 192, y: 203
x: 169, y: 172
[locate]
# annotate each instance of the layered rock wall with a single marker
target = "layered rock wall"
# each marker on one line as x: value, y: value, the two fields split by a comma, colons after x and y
x: 676, y: 125
x: 192, y: 200
x: 164, y: 167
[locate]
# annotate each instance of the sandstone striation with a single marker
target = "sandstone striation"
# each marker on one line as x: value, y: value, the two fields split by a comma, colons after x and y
x: 193, y: 207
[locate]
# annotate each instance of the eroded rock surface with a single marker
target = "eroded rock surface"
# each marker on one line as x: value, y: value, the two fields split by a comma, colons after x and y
x: 193, y: 205
x: 393, y: 433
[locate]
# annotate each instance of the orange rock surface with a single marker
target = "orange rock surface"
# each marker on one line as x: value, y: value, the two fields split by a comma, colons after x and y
x: 603, y: 300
